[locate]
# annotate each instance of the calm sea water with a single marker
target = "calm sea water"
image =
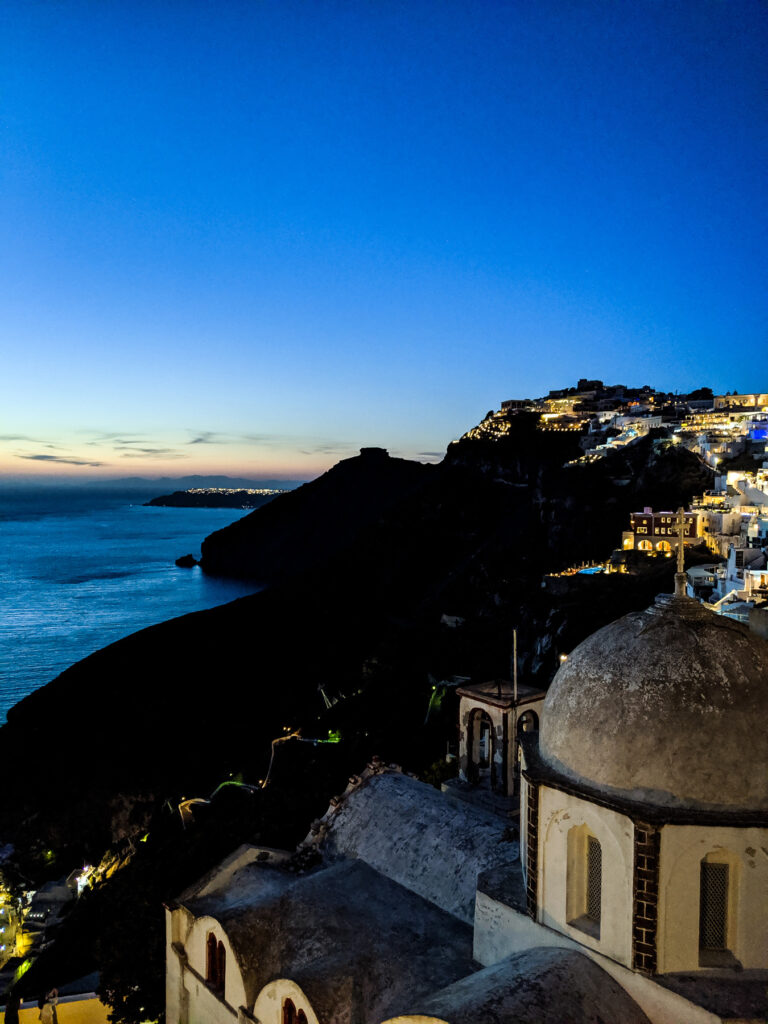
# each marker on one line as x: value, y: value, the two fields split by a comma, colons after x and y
x: 80, y: 569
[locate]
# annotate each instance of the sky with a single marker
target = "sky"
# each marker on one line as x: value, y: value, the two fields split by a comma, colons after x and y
x: 252, y: 237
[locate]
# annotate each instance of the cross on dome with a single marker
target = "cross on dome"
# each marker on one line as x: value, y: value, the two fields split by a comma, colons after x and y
x: 680, y: 574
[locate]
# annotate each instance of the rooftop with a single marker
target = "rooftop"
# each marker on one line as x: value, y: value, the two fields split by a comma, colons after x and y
x: 501, y: 693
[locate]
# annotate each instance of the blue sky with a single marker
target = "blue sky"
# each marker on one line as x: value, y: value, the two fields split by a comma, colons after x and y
x: 250, y: 237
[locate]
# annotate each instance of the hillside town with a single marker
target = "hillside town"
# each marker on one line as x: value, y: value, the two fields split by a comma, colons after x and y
x: 729, y: 433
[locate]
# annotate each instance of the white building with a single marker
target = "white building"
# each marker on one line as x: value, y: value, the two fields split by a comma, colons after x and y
x: 639, y: 892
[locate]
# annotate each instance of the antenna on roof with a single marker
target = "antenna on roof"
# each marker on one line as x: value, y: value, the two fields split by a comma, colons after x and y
x: 514, y: 666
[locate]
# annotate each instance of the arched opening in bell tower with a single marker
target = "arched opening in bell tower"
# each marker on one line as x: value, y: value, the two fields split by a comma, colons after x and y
x: 482, y: 769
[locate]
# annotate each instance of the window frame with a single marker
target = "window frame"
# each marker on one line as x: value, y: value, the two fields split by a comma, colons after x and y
x: 584, y: 860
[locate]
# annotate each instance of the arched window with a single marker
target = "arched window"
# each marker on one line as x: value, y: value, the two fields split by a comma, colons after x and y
x: 584, y: 881
x: 480, y: 748
x: 663, y: 545
x: 528, y: 722
x: 215, y: 963
x: 645, y: 545
x: 289, y: 1012
x: 211, y: 959
x: 301, y: 1017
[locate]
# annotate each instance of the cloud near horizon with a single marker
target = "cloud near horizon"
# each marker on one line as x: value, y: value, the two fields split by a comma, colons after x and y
x: 59, y: 459
x: 216, y: 437
x: 329, y: 449
x: 150, y: 453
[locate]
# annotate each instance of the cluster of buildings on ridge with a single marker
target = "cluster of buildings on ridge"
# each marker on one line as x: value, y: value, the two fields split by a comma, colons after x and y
x: 717, y: 427
x: 731, y: 519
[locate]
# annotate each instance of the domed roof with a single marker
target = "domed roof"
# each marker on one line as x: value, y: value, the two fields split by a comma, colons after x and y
x: 668, y: 706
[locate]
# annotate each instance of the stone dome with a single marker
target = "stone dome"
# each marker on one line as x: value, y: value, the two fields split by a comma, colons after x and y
x: 668, y: 706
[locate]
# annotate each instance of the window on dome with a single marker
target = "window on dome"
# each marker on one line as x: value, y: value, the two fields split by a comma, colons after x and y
x: 289, y: 1012
x: 716, y: 880
x: 594, y: 880
x: 584, y: 881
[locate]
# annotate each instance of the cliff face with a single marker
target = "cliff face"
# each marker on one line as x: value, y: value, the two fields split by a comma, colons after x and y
x: 362, y: 563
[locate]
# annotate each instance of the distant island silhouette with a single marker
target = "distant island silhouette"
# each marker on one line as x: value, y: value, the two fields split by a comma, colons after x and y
x: 217, y: 497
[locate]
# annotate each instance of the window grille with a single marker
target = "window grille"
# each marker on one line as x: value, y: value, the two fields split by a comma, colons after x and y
x: 594, y: 878
x: 713, y: 915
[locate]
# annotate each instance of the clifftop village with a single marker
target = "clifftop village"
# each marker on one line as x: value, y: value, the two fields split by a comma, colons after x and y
x: 728, y: 432
x: 602, y: 853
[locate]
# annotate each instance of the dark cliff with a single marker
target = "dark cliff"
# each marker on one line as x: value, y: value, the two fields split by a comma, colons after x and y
x: 310, y: 526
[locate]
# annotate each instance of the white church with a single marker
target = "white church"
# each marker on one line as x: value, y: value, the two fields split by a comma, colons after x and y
x: 637, y: 892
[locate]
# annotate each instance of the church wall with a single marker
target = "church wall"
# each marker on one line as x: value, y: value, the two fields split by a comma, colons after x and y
x: 200, y: 995
x: 204, y: 1006
x: 268, y: 1008
x: 558, y: 814
x: 173, y: 1010
x: 501, y: 931
x: 177, y: 925
x: 682, y: 850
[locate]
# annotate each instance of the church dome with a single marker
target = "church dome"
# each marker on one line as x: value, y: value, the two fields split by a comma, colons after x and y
x: 667, y: 706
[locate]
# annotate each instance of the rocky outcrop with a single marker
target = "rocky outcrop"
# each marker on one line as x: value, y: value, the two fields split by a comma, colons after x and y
x: 310, y: 526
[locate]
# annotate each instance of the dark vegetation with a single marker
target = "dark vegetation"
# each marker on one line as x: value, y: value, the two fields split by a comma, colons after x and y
x: 362, y: 564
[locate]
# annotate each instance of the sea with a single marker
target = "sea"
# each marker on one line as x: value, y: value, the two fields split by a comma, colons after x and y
x: 81, y: 568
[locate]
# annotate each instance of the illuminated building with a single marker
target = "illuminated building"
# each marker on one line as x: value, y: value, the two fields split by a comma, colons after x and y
x: 657, y: 531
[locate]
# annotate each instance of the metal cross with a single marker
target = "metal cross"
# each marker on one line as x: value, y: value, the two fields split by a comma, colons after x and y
x: 680, y: 540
